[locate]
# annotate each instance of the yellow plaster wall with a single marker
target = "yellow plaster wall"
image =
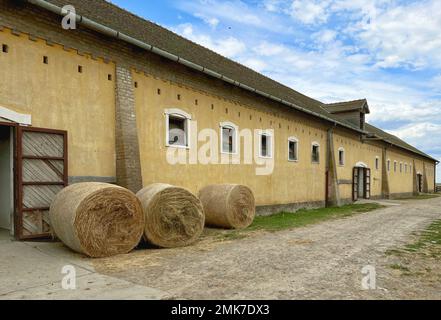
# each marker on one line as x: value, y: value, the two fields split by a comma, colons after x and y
x: 401, y: 182
x: 356, y: 151
x: 291, y: 182
x: 59, y: 97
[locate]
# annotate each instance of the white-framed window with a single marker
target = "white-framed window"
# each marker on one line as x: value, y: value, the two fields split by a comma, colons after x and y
x: 405, y: 168
x: 229, y: 137
x: 315, y: 152
x: 401, y: 167
x: 177, y: 123
x: 388, y: 165
x: 341, y: 156
x: 395, y: 166
x: 265, y: 145
x: 377, y: 163
x: 410, y: 168
x: 293, y: 149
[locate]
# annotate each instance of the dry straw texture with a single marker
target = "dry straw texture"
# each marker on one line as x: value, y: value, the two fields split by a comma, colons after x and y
x: 228, y: 206
x: 173, y: 216
x: 97, y: 219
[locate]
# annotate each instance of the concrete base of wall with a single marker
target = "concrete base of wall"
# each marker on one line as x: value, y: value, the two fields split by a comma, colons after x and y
x: 73, y: 180
x: 401, y: 195
x: 291, y: 207
x: 346, y: 201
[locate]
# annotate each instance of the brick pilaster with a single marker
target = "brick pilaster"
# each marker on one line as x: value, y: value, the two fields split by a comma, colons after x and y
x: 128, y: 163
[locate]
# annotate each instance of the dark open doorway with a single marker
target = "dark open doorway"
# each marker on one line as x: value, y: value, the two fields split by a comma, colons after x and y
x: 419, y: 182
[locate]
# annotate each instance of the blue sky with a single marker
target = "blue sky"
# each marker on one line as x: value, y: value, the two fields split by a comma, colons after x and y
x: 387, y: 51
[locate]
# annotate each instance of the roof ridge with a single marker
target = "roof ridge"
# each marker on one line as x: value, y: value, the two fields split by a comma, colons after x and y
x: 346, y: 102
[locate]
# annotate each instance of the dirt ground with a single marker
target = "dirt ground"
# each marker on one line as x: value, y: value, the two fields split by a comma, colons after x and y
x: 323, y: 261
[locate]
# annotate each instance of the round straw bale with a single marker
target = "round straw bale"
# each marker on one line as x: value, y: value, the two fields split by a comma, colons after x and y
x: 228, y: 205
x: 173, y: 216
x: 97, y: 219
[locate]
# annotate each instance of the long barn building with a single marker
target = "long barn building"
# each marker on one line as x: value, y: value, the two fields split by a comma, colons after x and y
x: 107, y: 96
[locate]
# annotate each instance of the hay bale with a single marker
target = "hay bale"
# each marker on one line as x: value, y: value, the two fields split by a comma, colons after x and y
x: 228, y: 205
x: 173, y: 216
x: 97, y: 219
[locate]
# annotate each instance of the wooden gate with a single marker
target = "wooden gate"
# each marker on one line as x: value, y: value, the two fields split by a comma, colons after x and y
x: 355, y: 184
x: 367, y: 183
x: 41, y: 173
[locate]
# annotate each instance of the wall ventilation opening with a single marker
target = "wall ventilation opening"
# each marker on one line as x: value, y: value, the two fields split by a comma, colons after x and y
x: 179, y: 97
x: 212, y: 107
x: 45, y: 60
x: 109, y: 77
x: 80, y: 69
x: 5, y: 48
x: 196, y: 102
x: 136, y: 84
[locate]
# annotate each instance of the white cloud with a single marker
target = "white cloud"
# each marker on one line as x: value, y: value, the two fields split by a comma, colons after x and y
x: 255, y: 64
x: 211, y: 21
x: 418, y: 131
x: 310, y: 11
x: 237, y: 12
x: 346, y: 60
x: 229, y: 46
x: 407, y: 35
x: 325, y: 36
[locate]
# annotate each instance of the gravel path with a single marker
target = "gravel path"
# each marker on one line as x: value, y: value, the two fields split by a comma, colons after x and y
x: 322, y: 261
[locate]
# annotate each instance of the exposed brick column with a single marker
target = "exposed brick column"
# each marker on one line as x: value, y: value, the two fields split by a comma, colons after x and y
x: 333, y: 196
x: 128, y: 163
x: 385, y: 190
x: 415, y: 179
x: 425, y: 180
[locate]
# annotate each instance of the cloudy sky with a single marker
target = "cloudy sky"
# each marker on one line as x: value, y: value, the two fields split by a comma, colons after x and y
x: 387, y: 51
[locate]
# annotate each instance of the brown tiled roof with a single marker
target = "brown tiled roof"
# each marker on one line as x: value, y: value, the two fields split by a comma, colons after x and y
x: 123, y: 21
x: 394, y: 140
x: 346, y: 106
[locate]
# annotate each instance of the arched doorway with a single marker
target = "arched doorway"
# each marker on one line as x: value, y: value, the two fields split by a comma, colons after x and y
x: 361, y: 184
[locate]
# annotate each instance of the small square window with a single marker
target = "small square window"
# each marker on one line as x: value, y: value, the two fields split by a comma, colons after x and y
x: 341, y: 157
x: 136, y: 84
x: 388, y: 165
x: 377, y: 163
x: 109, y: 77
x: 315, y: 153
x: 80, y: 69
x: 177, y: 131
x: 265, y: 146
x: 292, y: 150
x: 228, y: 139
x: 5, y: 48
x: 45, y: 60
